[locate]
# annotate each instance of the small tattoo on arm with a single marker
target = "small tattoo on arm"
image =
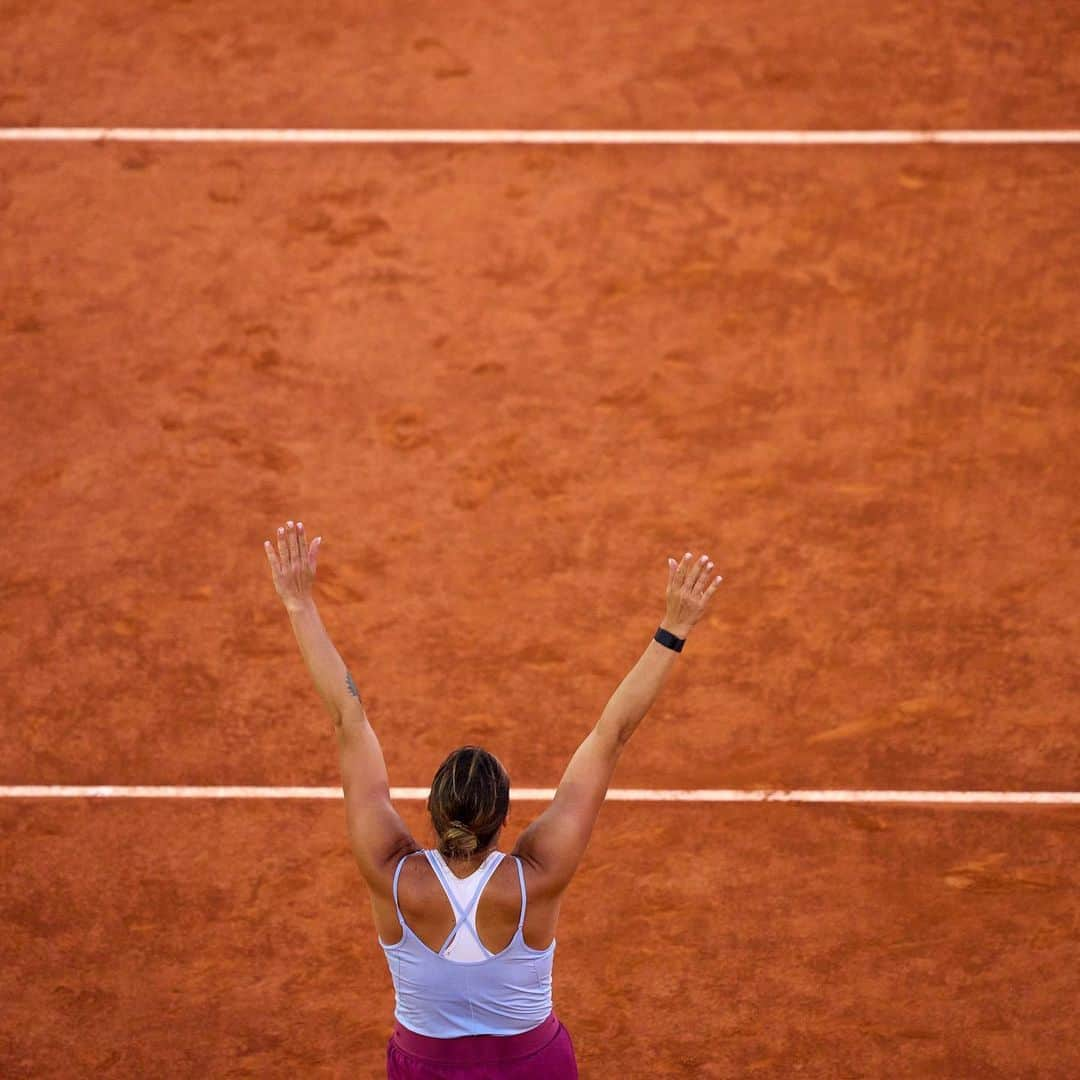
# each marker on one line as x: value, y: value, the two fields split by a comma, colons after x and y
x: 351, y: 686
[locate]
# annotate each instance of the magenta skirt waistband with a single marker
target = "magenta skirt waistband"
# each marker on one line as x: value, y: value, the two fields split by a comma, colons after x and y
x: 477, y: 1049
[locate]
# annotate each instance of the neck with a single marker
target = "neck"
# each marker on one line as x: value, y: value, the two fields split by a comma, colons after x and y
x: 475, y: 859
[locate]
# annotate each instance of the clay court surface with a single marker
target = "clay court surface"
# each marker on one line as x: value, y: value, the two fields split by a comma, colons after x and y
x: 504, y: 383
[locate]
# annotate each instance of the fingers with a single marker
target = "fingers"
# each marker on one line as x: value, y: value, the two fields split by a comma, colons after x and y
x: 703, y: 576
x: 301, y: 545
x: 681, y: 571
x: 711, y: 589
x: 293, y: 554
x: 294, y: 551
x: 306, y: 553
x: 283, y: 550
x: 693, y: 575
x: 275, y: 566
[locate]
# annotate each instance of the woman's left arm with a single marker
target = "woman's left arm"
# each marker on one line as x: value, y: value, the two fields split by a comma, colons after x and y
x: 376, y: 831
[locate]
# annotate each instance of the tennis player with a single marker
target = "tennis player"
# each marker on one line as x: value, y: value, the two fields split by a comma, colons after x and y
x: 469, y: 934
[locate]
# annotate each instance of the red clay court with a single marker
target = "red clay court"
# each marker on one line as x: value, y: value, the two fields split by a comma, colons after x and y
x: 504, y: 382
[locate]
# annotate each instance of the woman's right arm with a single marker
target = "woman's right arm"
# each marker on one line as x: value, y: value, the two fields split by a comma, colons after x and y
x: 555, y: 842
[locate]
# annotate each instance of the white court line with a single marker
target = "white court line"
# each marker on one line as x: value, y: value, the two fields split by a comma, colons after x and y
x: 494, y: 136
x: 109, y: 791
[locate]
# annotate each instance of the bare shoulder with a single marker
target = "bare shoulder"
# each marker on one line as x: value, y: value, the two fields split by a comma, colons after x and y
x: 540, y: 881
x: 382, y: 881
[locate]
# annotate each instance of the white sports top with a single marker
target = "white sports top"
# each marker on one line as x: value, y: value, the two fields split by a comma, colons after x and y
x: 503, y: 993
x: 464, y: 947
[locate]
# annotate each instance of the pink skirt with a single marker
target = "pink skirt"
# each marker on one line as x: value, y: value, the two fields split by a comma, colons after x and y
x: 544, y: 1053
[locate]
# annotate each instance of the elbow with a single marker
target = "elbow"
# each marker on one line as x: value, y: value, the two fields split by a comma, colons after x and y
x: 615, y: 732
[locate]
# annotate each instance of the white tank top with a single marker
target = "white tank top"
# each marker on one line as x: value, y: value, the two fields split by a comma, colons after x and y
x: 504, y: 993
x: 464, y: 947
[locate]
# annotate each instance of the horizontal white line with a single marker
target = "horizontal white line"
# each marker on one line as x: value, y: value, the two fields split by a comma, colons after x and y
x: 110, y: 791
x: 494, y: 136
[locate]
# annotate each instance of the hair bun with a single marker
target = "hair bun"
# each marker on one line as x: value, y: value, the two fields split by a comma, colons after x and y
x: 459, y: 839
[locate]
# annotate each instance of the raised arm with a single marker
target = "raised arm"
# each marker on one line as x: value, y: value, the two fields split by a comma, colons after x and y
x: 555, y: 842
x: 376, y: 830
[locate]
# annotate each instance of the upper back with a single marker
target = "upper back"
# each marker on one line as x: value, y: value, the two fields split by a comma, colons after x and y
x: 429, y: 912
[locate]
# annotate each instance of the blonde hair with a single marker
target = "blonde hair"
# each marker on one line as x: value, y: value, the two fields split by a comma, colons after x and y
x: 469, y: 798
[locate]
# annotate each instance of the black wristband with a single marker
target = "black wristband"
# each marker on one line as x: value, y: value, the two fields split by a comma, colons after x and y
x: 667, y: 638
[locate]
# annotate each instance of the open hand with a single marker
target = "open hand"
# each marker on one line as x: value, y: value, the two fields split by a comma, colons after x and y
x: 690, y: 588
x: 293, y: 565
